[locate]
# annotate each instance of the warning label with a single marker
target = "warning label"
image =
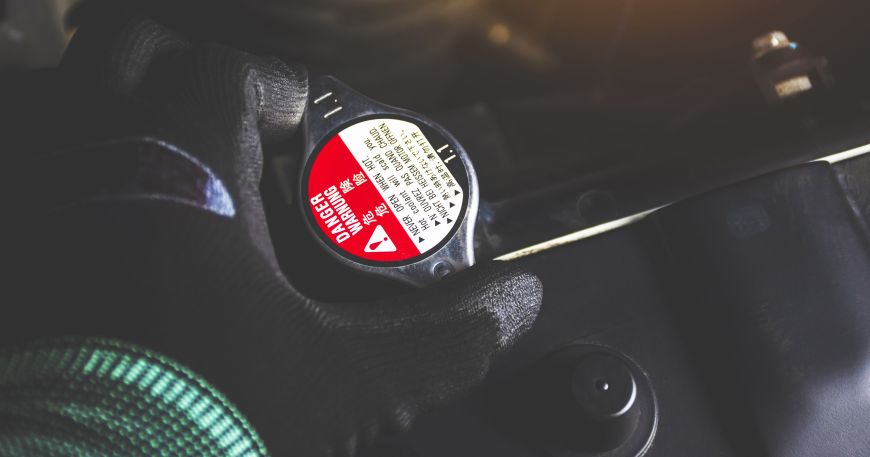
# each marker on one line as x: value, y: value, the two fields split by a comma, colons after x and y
x: 379, y: 190
x: 380, y: 241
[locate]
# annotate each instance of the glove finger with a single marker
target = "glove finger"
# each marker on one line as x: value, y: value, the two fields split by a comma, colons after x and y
x: 500, y: 293
x: 120, y: 54
x: 116, y: 50
x: 247, y: 98
x: 429, y: 347
x: 225, y: 103
x: 216, y: 104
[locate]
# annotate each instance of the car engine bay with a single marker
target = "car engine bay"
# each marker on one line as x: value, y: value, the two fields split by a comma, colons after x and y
x: 689, y: 180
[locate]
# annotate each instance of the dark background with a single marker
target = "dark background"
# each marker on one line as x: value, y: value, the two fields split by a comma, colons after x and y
x: 576, y: 113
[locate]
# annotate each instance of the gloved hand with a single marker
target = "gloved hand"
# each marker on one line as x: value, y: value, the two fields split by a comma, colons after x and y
x: 139, y: 218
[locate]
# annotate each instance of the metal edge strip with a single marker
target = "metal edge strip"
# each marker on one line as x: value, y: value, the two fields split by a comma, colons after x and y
x: 635, y: 218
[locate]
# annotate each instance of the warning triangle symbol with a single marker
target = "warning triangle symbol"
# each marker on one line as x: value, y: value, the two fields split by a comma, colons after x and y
x: 455, y: 192
x: 380, y: 241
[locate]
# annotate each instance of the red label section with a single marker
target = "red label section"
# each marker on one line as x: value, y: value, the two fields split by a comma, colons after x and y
x: 351, y: 212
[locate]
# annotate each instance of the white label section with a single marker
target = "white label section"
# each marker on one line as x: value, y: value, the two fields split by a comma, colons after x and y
x: 410, y: 175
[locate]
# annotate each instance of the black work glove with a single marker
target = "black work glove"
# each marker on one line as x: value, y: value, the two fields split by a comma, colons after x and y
x: 139, y: 218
